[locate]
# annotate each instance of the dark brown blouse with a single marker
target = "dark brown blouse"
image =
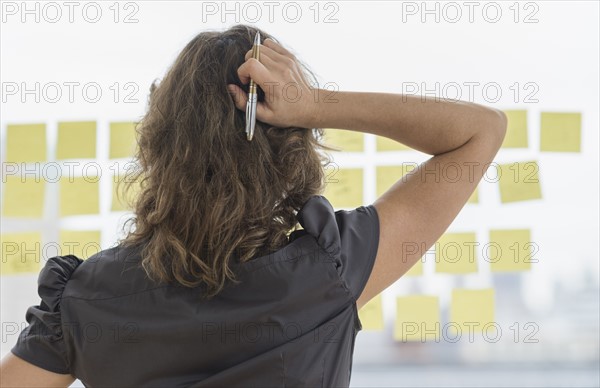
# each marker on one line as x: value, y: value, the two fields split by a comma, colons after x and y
x: 292, y: 320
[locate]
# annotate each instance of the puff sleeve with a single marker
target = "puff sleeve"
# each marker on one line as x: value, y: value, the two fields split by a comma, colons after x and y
x: 351, y: 237
x: 41, y: 342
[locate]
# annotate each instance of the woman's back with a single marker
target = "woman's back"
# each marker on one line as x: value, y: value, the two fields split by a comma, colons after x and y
x: 291, y: 320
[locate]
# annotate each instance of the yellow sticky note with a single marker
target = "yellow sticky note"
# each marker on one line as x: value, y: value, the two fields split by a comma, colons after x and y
x: 76, y: 140
x: 456, y: 253
x: 472, y: 311
x: 79, y: 195
x: 21, y: 253
x: 348, y: 141
x: 121, y: 199
x: 371, y: 314
x: 385, y: 144
x: 474, y: 198
x: 344, y: 187
x: 417, y: 318
x: 510, y: 250
x: 122, y: 140
x: 560, y: 132
x: 23, y: 197
x: 519, y: 181
x: 516, y: 133
x: 386, y: 176
x: 25, y: 143
x: 81, y: 243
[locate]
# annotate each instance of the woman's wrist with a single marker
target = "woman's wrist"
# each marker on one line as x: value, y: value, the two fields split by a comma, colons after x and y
x: 316, y: 116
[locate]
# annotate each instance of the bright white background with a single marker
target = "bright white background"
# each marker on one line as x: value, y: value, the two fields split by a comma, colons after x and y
x: 370, y: 46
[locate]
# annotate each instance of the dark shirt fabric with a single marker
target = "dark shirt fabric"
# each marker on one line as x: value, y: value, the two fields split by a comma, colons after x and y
x: 291, y: 321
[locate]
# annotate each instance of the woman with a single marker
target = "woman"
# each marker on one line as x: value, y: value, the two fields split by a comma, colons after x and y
x: 217, y: 286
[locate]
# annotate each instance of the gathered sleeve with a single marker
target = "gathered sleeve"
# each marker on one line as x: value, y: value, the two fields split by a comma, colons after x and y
x: 351, y: 237
x: 41, y: 342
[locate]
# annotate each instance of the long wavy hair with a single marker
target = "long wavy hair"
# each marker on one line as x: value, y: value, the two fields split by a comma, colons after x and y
x: 205, y: 194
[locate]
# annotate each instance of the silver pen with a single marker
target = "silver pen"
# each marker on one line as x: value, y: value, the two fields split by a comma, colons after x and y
x: 252, y: 96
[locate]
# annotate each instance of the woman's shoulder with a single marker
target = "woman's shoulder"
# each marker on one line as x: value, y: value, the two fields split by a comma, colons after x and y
x: 317, y: 217
x: 109, y: 273
x: 54, y: 276
x: 329, y: 226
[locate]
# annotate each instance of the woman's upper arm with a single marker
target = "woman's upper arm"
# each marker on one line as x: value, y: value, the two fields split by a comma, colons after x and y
x: 418, y: 208
x: 17, y: 372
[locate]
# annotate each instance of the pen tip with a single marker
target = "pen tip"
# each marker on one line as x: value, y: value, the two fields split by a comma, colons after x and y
x: 257, y: 38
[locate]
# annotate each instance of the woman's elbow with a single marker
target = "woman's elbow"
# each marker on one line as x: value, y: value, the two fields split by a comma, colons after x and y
x: 503, y: 121
x: 499, y: 122
x: 494, y: 125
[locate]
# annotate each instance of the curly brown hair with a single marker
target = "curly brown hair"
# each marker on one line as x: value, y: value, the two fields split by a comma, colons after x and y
x: 206, y: 194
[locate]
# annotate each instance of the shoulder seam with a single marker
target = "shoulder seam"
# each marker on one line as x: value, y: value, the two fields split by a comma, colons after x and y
x: 115, y: 297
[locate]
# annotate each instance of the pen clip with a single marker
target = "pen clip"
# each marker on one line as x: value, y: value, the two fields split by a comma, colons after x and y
x: 251, y: 115
x: 248, y: 119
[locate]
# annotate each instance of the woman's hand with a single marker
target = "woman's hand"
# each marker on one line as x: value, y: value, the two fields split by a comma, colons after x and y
x: 289, y: 99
